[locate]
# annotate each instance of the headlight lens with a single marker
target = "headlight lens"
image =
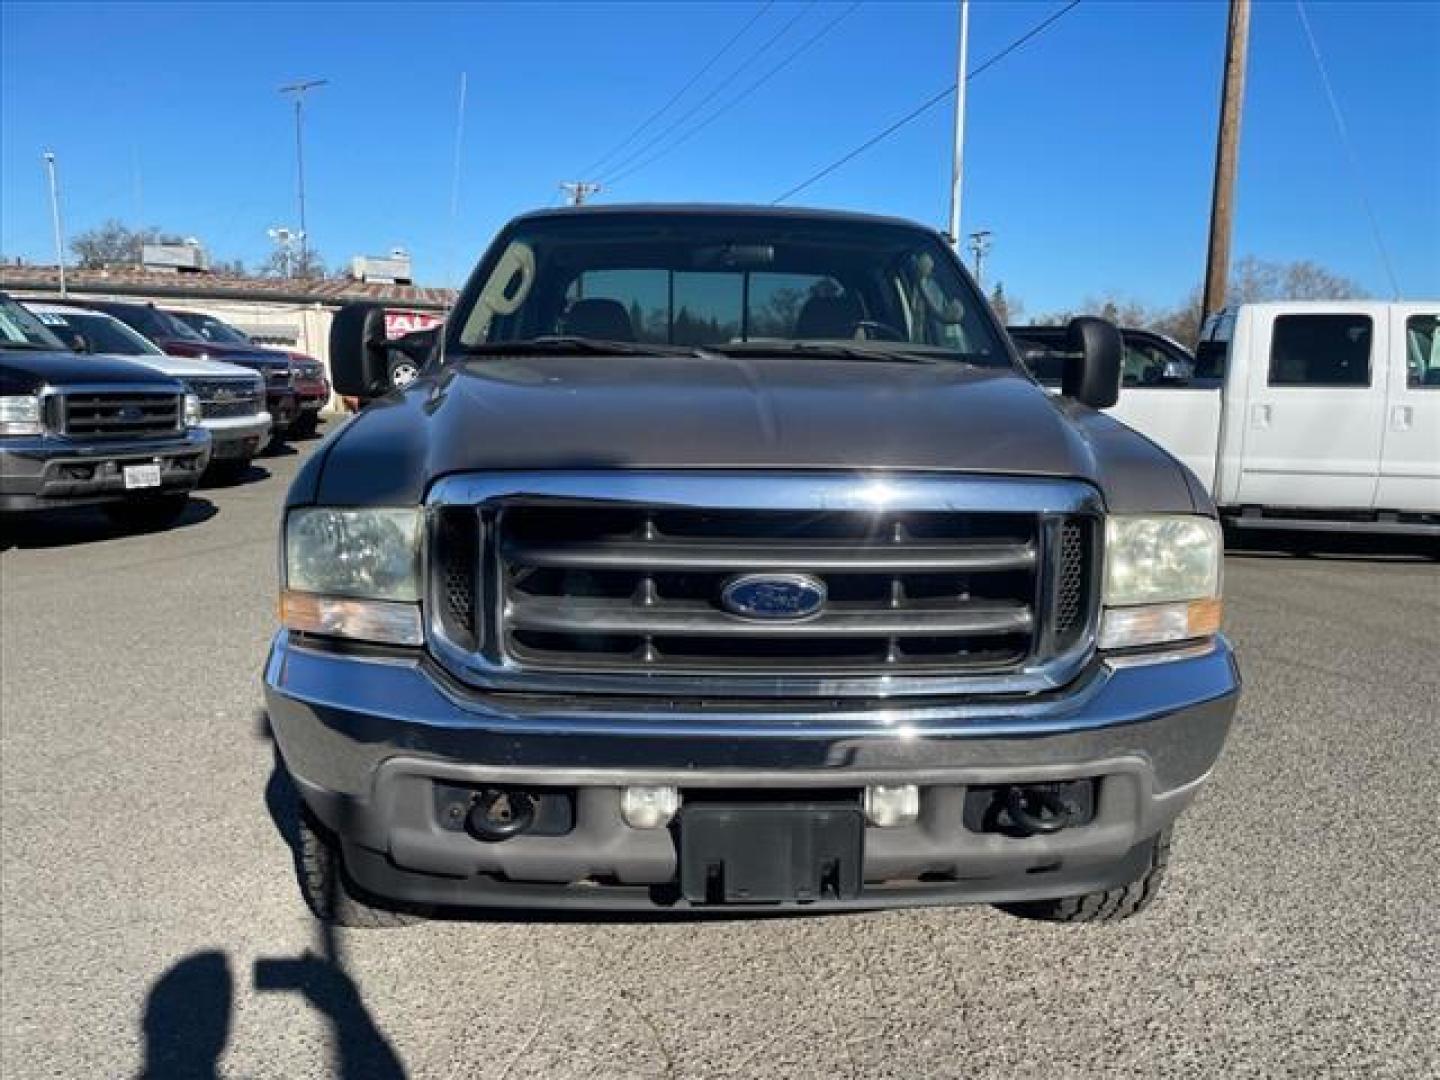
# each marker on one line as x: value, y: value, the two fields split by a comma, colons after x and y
x: 1162, y: 580
x: 1152, y: 560
x: 20, y: 415
x: 373, y: 554
x: 193, y: 415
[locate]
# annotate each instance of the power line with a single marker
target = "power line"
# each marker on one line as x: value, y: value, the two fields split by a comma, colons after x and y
x: 590, y: 170
x: 1345, y: 144
x: 715, y: 92
x: 703, y: 124
x: 928, y: 104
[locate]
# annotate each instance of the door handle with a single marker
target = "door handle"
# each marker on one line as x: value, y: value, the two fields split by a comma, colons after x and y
x: 1401, y: 416
x: 1260, y: 416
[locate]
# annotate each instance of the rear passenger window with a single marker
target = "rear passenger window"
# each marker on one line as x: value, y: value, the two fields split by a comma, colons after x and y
x: 1422, y: 351
x: 1321, y: 350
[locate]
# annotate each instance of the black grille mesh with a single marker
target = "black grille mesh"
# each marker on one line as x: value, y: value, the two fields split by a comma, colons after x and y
x: 457, y: 548
x: 1070, y: 580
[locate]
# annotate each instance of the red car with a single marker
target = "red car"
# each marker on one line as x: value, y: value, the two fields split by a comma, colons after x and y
x: 307, y: 375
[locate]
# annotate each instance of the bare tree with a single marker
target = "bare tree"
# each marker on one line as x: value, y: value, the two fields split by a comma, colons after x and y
x: 115, y: 243
x: 1255, y: 280
x: 301, y: 266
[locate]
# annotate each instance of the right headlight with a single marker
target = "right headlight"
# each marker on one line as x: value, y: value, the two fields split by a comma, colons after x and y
x: 1162, y: 580
x: 353, y: 573
x: 20, y: 415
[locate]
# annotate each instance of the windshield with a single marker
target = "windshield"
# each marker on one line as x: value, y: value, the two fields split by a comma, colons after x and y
x: 21, y: 330
x: 102, y: 334
x: 211, y: 328
x: 728, y: 283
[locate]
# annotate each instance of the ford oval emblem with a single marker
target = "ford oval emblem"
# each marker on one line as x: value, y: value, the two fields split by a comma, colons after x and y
x: 774, y: 596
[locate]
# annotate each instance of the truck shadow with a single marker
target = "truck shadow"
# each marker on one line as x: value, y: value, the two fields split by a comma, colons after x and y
x: 85, y: 525
x: 1279, y: 543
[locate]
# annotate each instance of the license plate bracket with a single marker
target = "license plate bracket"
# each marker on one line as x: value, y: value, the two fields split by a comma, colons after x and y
x: 771, y: 853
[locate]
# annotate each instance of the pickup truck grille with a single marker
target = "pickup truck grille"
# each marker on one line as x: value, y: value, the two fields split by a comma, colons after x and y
x: 134, y: 414
x: 596, y: 588
x: 226, y: 398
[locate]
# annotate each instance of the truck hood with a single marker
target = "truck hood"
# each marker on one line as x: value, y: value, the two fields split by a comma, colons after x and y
x: 24, y: 372
x: 790, y: 413
x: 192, y: 367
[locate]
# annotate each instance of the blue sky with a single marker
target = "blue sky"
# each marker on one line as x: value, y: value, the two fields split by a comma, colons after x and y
x: 1089, y: 151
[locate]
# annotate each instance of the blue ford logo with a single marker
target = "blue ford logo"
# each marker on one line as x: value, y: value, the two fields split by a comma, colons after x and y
x: 774, y: 596
x: 131, y: 412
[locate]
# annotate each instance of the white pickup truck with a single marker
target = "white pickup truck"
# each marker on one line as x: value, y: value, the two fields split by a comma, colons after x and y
x: 1307, y: 415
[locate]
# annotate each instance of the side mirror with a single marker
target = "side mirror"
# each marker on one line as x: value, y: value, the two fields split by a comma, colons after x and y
x: 1092, y: 371
x: 82, y: 344
x: 358, y: 351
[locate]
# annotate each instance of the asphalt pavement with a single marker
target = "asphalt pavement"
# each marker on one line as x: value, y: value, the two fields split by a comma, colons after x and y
x: 150, y: 923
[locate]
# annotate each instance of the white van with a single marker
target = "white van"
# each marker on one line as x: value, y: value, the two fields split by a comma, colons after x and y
x: 1309, y: 415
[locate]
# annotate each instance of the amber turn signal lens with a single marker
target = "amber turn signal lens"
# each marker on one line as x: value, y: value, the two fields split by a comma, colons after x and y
x: 387, y: 621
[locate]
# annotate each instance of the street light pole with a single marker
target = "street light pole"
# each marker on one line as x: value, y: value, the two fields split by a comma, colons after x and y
x: 49, y: 158
x: 298, y: 90
x: 958, y: 164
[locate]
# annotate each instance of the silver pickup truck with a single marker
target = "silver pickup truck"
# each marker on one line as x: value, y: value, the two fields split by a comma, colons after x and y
x: 729, y: 558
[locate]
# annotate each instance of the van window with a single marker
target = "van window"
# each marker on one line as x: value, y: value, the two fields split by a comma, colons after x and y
x: 1422, y: 351
x: 1321, y: 350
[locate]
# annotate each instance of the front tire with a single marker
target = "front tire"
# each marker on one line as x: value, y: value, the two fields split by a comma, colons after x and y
x: 1107, y: 905
x: 148, y: 513
x: 329, y: 893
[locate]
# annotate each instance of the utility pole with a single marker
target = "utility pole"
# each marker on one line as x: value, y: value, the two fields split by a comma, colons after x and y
x: 1227, y: 155
x: 578, y: 191
x: 958, y: 164
x: 298, y: 90
x: 980, y: 247
x: 49, y: 159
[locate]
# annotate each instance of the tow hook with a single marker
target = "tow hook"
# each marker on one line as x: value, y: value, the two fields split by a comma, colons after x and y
x: 1037, y: 809
x: 498, y: 814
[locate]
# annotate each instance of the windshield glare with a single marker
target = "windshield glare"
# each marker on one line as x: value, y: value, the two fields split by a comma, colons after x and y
x: 212, y: 329
x: 723, y: 282
x: 102, y: 333
x: 20, y: 327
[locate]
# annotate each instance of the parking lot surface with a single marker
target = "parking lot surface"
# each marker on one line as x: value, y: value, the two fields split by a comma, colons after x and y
x: 150, y: 923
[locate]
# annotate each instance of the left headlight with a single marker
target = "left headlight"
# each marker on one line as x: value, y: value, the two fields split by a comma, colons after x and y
x: 193, y: 415
x: 20, y: 415
x: 353, y: 573
x: 1162, y: 580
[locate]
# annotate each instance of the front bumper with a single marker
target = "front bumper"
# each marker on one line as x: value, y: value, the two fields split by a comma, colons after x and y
x: 238, y: 437
x: 367, y: 739
x: 47, y: 472
x: 313, y: 395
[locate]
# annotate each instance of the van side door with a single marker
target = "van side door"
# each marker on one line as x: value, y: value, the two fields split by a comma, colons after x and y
x: 1316, y: 409
x: 1410, y: 458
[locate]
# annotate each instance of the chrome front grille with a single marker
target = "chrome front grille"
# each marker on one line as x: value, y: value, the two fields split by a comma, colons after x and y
x: 227, y: 398
x: 531, y: 590
x: 103, y: 413
x: 641, y: 589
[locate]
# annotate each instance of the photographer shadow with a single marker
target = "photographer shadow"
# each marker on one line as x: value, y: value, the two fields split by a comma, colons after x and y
x: 187, y: 1020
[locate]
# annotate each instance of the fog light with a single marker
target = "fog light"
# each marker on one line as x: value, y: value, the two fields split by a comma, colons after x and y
x: 889, y: 805
x: 649, y: 807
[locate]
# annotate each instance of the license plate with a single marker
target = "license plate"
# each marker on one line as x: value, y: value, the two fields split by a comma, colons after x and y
x: 770, y: 853
x: 141, y: 476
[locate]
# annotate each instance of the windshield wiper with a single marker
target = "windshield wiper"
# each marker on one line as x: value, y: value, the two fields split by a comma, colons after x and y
x: 896, y: 351
x: 570, y: 345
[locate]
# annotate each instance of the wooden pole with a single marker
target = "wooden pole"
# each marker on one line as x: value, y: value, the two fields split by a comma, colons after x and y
x: 1227, y: 155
